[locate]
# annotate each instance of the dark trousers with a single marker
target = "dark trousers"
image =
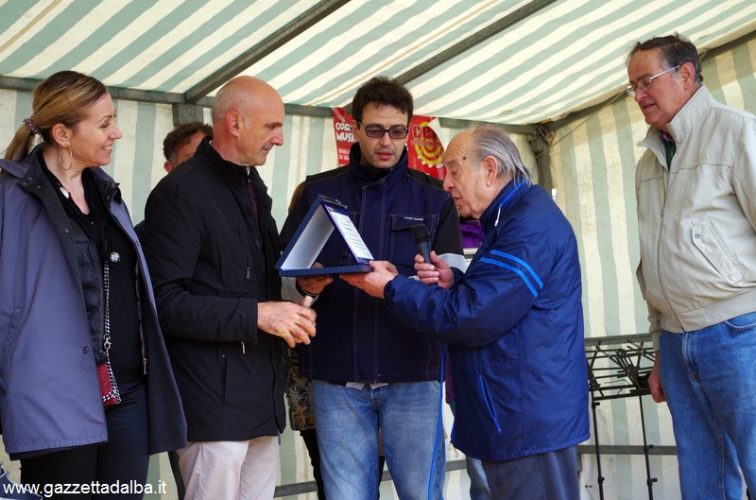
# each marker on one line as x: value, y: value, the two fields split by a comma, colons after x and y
x: 310, y: 439
x: 124, y: 458
x: 548, y: 476
x: 173, y: 459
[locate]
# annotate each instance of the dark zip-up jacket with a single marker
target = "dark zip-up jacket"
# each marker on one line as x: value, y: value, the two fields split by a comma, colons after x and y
x: 356, y: 340
x: 211, y: 264
x: 49, y: 393
x: 514, y: 326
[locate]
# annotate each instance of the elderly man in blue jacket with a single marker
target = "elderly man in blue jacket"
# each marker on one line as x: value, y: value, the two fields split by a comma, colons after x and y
x: 513, y: 322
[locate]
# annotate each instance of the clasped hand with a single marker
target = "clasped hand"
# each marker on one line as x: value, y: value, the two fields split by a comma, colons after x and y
x: 295, y: 324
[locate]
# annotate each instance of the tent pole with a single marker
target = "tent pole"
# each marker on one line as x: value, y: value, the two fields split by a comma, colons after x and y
x: 539, y: 143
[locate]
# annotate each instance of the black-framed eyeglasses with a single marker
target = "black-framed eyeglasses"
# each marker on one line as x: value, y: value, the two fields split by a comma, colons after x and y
x: 377, y: 131
x: 647, y: 82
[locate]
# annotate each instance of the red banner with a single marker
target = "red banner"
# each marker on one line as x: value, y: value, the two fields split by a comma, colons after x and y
x: 342, y: 127
x: 426, y: 153
x: 424, y: 150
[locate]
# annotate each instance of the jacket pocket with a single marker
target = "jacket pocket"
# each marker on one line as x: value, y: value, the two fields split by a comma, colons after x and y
x: 489, y: 403
x: 9, y: 343
x: 402, y: 244
x: 709, y: 242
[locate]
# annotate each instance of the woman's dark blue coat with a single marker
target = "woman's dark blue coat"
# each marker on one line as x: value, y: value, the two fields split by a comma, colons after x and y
x: 49, y: 393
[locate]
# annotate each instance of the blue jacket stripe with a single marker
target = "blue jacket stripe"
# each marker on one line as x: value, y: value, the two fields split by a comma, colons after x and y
x: 522, y: 263
x: 514, y: 270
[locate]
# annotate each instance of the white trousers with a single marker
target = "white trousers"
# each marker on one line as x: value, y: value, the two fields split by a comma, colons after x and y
x: 230, y: 470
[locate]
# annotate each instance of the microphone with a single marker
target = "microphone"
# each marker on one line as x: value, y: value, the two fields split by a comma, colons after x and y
x: 422, y: 239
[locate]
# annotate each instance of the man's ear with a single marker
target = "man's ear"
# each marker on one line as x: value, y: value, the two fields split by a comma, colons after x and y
x: 233, y: 123
x: 688, y: 74
x: 492, y: 172
x: 61, y: 135
x: 168, y: 166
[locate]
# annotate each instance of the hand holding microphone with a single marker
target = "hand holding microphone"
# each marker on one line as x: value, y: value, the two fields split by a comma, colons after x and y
x: 422, y: 239
x: 433, y: 270
x: 426, y: 271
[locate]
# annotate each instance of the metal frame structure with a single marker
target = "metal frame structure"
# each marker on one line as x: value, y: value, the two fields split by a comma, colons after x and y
x: 618, y: 367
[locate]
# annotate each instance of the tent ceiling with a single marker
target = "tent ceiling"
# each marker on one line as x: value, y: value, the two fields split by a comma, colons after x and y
x: 502, y: 61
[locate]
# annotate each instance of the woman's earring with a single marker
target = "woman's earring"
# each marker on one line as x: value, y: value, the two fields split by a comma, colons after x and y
x: 60, y: 160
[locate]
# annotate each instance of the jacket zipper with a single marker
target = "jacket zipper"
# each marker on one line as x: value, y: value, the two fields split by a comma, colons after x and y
x: 667, y: 187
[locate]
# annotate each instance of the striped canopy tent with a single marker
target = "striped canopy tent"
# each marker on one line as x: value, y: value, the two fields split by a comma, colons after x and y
x: 551, y: 72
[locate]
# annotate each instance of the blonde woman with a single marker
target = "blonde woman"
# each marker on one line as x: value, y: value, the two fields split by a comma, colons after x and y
x: 86, y: 388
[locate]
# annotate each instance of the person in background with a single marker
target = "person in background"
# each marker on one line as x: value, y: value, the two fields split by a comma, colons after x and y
x: 178, y: 146
x: 368, y: 372
x: 181, y: 143
x: 696, y: 190
x: 513, y: 322
x: 86, y: 392
x: 212, y: 245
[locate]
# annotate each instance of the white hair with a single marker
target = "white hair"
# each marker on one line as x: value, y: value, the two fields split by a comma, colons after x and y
x: 492, y: 141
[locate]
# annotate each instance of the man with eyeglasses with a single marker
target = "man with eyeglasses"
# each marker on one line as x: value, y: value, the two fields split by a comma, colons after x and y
x: 369, y: 372
x: 696, y: 184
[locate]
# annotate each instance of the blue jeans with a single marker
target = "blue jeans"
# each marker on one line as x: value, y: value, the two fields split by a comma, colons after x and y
x: 347, y: 423
x: 709, y: 380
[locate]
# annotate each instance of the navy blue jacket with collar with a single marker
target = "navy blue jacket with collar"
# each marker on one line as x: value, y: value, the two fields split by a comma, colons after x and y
x: 514, y: 326
x: 356, y: 340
